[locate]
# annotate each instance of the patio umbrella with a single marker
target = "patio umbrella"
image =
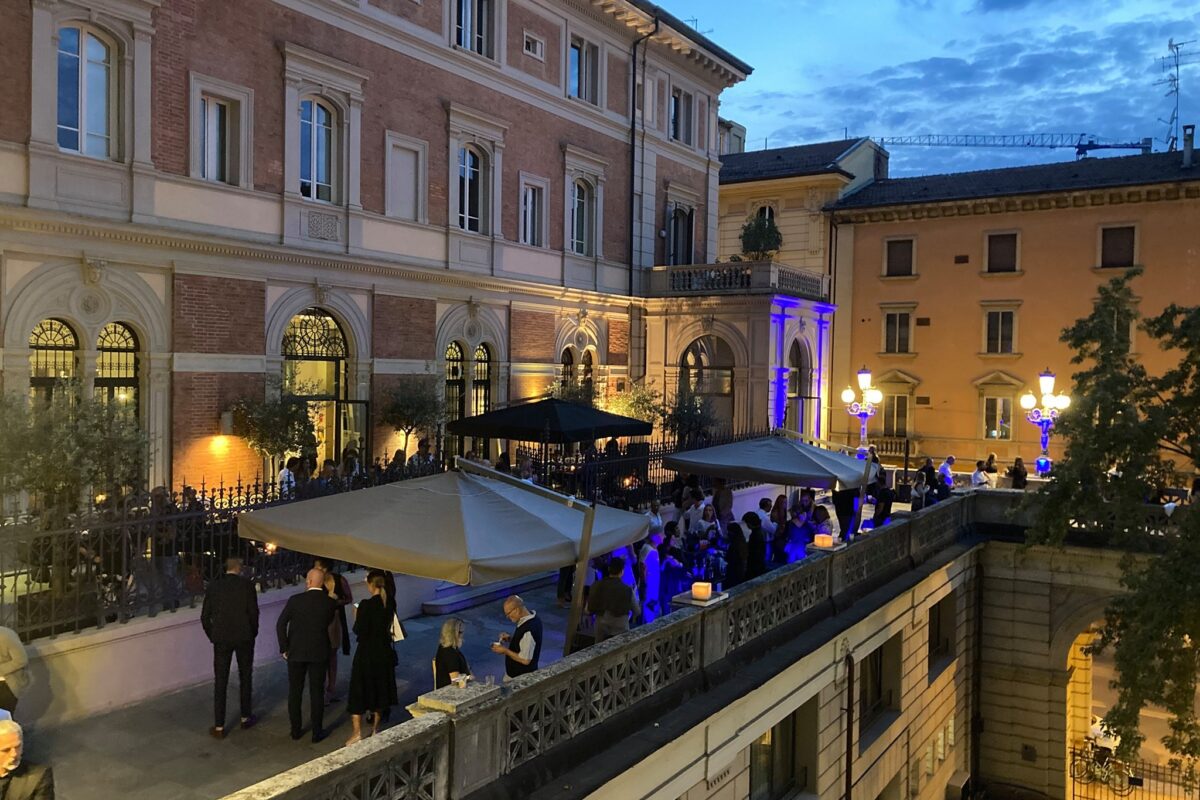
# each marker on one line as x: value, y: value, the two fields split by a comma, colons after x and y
x: 455, y: 526
x: 774, y: 459
x: 549, y: 421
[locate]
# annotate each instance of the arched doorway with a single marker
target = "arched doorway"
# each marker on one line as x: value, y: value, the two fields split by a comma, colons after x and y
x: 799, y: 388
x: 706, y: 369
x: 315, y: 354
x: 54, y: 358
x: 567, y: 376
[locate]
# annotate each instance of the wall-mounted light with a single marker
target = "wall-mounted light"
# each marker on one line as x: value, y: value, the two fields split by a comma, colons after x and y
x: 226, y: 428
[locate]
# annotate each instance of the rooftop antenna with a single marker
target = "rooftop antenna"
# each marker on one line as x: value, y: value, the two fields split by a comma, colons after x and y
x: 695, y: 23
x: 1170, y: 64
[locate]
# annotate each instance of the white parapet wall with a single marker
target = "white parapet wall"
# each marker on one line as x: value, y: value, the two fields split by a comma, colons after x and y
x: 78, y: 675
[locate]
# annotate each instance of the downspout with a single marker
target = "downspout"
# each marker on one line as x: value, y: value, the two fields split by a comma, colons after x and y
x: 849, y: 724
x: 633, y: 126
x: 977, y: 678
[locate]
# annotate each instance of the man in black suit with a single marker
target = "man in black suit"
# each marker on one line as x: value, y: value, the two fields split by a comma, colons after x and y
x: 21, y: 780
x: 303, y: 631
x: 230, y: 620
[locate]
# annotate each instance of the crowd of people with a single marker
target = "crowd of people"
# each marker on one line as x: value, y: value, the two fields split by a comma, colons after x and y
x: 933, y: 484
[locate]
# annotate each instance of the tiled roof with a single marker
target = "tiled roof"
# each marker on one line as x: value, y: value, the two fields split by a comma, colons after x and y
x: 785, y: 162
x: 1088, y: 173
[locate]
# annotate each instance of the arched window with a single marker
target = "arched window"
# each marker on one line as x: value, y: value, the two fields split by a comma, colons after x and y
x: 314, y: 372
x: 472, y: 205
x: 318, y: 149
x: 766, y: 212
x: 456, y: 393
x: 481, y: 391
x: 54, y: 358
x: 799, y: 388
x: 585, y: 370
x: 583, y: 210
x: 86, y: 91
x: 117, y: 367
x: 706, y: 368
x: 568, y: 366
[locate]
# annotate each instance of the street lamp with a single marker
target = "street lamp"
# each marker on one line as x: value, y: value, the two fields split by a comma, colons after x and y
x: 862, y: 407
x: 1044, y: 416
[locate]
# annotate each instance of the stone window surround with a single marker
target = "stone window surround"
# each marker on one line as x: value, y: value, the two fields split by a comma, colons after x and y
x: 898, y: 308
x: 242, y: 99
x: 308, y: 73
x: 527, y: 179
x: 987, y: 251
x: 468, y: 126
x: 584, y: 165
x: 1002, y: 386
x: 1001, y: 305
x: 392, y: 140
x: 497, y: 43
x: 678, y: 196
x: 1137, y: 242
x: 591, y: 46
x: 883, y: 260
x: 539, y: 51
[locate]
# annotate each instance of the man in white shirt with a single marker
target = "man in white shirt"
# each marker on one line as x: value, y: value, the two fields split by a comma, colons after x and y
x: 695, y: 512
x: 287, y: 479
x: 946, y: 470
x: 979, y: 478
x: 527, y: 637
x: 764, y: 514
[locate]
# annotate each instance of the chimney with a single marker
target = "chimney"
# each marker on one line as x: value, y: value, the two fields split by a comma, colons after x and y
x: 1189, y: 141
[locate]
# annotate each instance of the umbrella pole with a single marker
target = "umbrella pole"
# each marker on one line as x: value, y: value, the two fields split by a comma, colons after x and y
x: 862, y: 499
x: 585, y: 547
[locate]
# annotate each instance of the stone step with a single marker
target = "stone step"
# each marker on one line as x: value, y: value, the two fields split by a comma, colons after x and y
x: 471, y: 596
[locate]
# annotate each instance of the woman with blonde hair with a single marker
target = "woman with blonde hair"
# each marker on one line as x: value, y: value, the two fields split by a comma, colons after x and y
x: 372, y: 675
x: 450, y: 664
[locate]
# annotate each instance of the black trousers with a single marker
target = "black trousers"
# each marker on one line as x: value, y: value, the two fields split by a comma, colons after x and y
x: 222, y: 655
x: 315, y: 672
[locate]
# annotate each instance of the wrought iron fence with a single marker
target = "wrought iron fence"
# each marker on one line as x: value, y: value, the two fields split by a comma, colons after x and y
x: 151, y: 552
x: 1096, y: 774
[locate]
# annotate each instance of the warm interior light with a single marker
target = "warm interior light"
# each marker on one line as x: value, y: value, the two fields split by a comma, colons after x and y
x: 873, y: 396
x: 1046, y: 382
x: 848, y: 395
x: 1028, y: 401
x: 701, y: 590
x: 864, y: 378
x: 1063, y: 401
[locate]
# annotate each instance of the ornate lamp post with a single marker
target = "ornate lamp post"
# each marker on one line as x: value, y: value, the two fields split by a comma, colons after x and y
x: 863, y: 407
x: 1044, y: 416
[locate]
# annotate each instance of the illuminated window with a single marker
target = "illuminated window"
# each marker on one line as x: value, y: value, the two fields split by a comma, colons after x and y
x: 53, y: 358
x: 456, y: 393
x: 997, y: 418
x: 117, y: 367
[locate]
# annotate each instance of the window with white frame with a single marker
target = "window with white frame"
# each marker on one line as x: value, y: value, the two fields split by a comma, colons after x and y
x: 895, y: 415
x: 472, y: 194
x: 1000, y: 332
x: 473, y: 26
x: 766, y: 212
x: 214, y: 139
x: 897, y: 332
x: 534, y: 46
x: 533, y: 212
x: 406, y: 164
x: 644, y: 99
x: 997, y: 417
x: 86, y: 91
x: 318, y: 149
x: 680, y: 225
x: 583, y: 214
x: 583, y: 70
x: 221, y: 130
x: 681, y: 116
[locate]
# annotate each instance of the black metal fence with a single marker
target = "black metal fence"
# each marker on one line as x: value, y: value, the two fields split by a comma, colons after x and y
x: 1096, y: 774
x: 149, y: 553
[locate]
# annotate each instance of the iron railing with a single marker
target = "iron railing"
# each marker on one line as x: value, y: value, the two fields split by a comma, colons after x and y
x: 146, y: 554
x: 1097, y: 774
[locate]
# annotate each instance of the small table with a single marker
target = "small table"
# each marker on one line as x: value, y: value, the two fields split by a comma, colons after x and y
x: 452, y: 699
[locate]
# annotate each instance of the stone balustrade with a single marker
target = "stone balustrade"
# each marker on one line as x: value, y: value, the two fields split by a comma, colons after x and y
x: 651, y: 666
x: 738, y: 277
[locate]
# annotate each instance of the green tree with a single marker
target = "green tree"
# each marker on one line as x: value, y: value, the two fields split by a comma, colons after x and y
x: 691, y: 417
x: 574, y: 391
x: 274, y: 426
x: 414, y: 405
x: 760, y: 238
x: 638, y: 401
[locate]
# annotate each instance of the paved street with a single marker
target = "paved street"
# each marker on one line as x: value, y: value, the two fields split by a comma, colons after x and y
x: 161, y: 748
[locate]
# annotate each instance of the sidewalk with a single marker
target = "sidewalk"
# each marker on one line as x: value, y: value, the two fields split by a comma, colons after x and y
x: 161, y: 748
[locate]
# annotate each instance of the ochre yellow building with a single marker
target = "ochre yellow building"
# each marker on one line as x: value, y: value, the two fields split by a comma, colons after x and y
x: 954, y: 289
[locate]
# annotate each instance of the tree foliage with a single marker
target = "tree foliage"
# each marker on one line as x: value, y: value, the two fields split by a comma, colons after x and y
x: 1128, y: 432
x: 414, y: 405
x: 638, y: 401
x: 761, y: 238
x: 690, y: 418
x: 62, y: 452
x: 274, y: 426
x: 574, y: 391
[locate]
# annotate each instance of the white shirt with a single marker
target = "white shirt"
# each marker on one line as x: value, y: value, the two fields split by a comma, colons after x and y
x: 287, y: 481
x: 768, y: 527
x: 947, y: 475
x: 979, y: 478
x: 692, y: 517
x: 656, y: 520
x: 527, y: 644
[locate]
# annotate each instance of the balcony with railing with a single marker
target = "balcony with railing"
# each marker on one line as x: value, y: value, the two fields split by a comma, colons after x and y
x: 738, y: 277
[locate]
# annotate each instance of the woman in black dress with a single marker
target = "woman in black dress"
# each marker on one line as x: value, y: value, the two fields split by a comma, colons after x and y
x: 449, y: 663
x: 372, y: 679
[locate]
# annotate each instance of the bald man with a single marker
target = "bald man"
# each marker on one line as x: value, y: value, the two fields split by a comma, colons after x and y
x: 21, y: 781
x: 527, y: 638
x: 303, y: 631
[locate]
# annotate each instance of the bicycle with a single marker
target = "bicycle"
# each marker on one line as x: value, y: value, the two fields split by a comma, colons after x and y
x: 1094, y: 763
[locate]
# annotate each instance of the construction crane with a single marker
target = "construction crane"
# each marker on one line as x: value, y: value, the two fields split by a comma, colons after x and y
x: 1083, y: 143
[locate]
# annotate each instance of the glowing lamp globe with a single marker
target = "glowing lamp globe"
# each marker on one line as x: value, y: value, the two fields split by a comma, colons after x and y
x: 847, y: 395
x: 864, y: 378
x: 1042, y: 465
x: 1046, y: 382
x: 1049, y: 401
x: 874, y: 396
x: 1062, y: 402
x: 1028, y: 401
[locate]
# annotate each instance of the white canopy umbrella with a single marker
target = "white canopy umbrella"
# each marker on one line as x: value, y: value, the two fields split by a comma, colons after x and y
x: 454, y: 526
x: 775, y: 459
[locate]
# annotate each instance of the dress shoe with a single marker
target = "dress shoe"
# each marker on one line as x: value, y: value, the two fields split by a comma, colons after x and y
x: 250, y: 721
x: 216, y: 733
x: 296, y: 735
x: 317, y: 736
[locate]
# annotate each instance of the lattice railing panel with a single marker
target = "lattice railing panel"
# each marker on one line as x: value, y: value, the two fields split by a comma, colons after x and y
x: 760, y: 608
x: 936, y: 528
x: 874, y: 555
x: 586, y: 691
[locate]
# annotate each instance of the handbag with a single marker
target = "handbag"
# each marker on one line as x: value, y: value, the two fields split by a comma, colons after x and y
x: 397, y: 629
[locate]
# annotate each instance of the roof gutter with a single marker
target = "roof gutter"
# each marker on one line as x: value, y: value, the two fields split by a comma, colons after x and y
x: 633, y: 128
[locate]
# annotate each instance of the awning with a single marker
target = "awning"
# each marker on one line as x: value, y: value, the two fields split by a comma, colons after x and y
x: 773, y: 459
x: 550, y: 421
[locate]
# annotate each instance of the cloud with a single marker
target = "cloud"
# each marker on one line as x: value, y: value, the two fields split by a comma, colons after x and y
x: 987, y: 6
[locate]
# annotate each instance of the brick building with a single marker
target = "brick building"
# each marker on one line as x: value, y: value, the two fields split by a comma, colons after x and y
x: 202, y: 201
